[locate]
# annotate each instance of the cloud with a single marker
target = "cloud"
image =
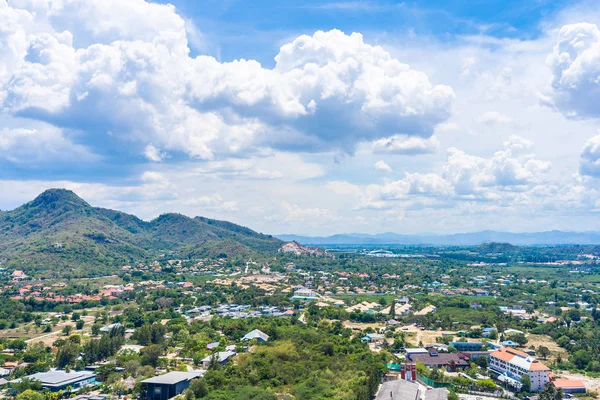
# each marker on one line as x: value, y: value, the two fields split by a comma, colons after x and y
x: 213, y: 202
x: 381, y: 166
x: 343, y: 188
x: 464, y: 177
x: 405, y: 145
x: 575, y: 64
x: 589, y: 163
x: 38, y: 143
x: 328, y: 91
x: 154, y: 154
x: 312, y: 215
x: 494, y: 118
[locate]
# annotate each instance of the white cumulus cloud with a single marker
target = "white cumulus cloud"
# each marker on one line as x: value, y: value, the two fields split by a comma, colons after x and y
x: 381, y: 166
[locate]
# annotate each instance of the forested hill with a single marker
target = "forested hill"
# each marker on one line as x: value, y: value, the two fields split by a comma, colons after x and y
x: 60, y: 230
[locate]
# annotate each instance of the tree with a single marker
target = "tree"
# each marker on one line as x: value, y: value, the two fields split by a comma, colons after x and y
x: 26, y: 384
x: 199, y: 388
x: 79, y: 324
x: 581, y: 359
x: 518, y: 338
x: 452, y: 395
x: 543, y: 351
x: 30, y: 395
x: 526, y: 383
x: 96, y: 329
x: 67, y: 354
x: 550, y: 392
x: 67, y: 330
x: 393, y: 310
x: 482, y: 362
x: 151, y: 354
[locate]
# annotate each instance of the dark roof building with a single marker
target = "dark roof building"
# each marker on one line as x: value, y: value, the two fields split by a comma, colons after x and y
x: 169, y: 385
x: 450, y: 361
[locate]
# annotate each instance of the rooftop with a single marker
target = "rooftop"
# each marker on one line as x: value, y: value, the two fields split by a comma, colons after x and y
x: 59, y: 378
x: 174, y: 377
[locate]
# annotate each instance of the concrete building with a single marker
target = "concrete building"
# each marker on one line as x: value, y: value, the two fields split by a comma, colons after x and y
x: 569, y: 386
x: 511, y: 364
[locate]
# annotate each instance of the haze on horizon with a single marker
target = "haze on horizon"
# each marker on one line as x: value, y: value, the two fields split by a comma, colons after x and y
x: 308, y: 117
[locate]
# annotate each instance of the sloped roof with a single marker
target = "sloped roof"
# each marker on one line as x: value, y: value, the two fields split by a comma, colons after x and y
x: 255, y: 334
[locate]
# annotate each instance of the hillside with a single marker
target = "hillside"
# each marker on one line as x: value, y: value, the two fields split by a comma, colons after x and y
x: 58, y: 231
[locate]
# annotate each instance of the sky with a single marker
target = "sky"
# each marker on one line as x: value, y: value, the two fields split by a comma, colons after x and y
x: 308, y: 117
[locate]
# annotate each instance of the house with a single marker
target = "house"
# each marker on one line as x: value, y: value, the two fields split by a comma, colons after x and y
x: 256, y: 334
x: 60, y: 380
x: 404, y: 390
x: 222, y: 358
x: 108, y: 328
x: 212, y: 345
x: 169, y: 385
x: 416, y: 350
x: 467, y: 346
x: 511, y: 364
x: 305, y: 294
x: 487, y: 332
x: 90, y: 397
x: 450, y: 361
x: 569, y: 386
x: 373, y: 338
x: 18, y: 275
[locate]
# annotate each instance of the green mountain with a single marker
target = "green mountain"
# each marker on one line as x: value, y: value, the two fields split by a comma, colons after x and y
x: 59, y: 231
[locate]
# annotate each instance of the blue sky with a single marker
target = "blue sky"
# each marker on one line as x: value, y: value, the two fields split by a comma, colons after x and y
x: 309, y: 117
x: 254, y: 29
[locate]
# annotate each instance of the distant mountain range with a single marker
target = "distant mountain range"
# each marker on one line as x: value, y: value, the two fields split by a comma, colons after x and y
x: 457, y: 239
x: 60, y: 232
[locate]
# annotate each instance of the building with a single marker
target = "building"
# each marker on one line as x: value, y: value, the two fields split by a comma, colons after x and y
x: 258, y: 335
x: 450, y: 361
x: 222, y: 358
x: 511, y: 364
x: 416, y: 350
x: 305, y: 294
x: 467, y: 346
x: 60, y: 380
x: 373, y: 338
x: 169, y: 385
x: 404, y: 390
x: 569, y: 386
x: 108, y: 328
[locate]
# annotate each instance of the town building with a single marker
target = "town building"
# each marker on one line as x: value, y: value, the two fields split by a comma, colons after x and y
x: 467, y: 346
x: 511, y: 364
x: 222, y: 358
x: 61, y: 380
x: 569, y: 386
x: 167, y: 386
x: 450, y: 361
